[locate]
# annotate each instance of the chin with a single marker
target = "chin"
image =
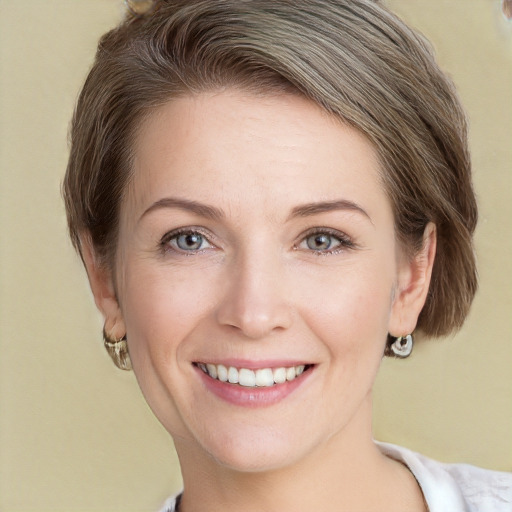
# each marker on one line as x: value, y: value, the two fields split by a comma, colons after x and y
x: 244, y: 460
x: 255, y: 452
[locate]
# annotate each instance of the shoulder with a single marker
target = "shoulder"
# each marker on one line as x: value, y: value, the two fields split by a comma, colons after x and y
x: 454, y: 487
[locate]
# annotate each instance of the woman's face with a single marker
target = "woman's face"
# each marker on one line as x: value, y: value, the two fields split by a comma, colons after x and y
x: 257, y: 244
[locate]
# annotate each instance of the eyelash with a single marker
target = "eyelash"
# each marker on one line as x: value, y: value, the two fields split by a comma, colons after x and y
x: 345, y: 242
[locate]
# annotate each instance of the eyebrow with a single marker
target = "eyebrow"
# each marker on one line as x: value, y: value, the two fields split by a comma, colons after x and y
x: 200, y: 209
x: 306, y: 210
x: 211, y: 212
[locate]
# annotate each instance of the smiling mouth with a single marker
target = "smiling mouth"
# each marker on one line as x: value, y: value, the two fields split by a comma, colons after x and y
x: 263, y: 377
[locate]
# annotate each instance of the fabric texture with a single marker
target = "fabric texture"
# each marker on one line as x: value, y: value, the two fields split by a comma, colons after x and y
x: 446, y: 487
x: 455, y: 487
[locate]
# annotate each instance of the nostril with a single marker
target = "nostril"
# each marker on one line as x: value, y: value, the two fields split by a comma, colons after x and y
x: 254, y: 321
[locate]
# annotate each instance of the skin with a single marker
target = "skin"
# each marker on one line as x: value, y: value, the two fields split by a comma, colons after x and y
x: 255, y: 290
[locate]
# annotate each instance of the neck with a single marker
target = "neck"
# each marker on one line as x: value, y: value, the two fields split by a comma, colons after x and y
x: 347, y: 470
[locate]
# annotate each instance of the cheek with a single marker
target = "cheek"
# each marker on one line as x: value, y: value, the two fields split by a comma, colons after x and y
x: 350, y: 305
x: 161, y: 309
x: 352, y: 322
x: 162, y: 305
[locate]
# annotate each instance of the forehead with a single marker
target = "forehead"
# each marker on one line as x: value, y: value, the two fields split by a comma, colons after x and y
x: 237, y: 147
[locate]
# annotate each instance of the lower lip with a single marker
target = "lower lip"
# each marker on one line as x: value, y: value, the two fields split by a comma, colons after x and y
x: 252, y: 396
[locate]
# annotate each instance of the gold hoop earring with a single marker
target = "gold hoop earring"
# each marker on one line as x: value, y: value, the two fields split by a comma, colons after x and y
x: 118, y: 351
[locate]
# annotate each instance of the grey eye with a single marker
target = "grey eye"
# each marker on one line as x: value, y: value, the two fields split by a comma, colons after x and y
x: 186, y: 241
x: 189, y: 241
x: 321, y: 242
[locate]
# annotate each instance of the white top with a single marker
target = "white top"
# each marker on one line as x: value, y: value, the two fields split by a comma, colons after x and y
x: 446, y: 487
x: 455, y: 487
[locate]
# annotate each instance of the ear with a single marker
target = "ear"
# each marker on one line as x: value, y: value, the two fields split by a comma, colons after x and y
x: 412, y: 286
x: 103, y: 289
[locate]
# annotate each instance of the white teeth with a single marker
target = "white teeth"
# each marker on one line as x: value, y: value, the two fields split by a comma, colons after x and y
x: 212, y: 370
x: 233, y: 375
x: 290, y: 373
x: 279, y: 375
x: 222, y: 373
x: 264, y: 377
x: 246, y: 378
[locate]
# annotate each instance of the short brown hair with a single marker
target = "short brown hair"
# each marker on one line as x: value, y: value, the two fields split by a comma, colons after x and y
x: 353, y: 58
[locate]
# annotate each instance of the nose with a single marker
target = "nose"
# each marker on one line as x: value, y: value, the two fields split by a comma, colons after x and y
x: 255, y: 300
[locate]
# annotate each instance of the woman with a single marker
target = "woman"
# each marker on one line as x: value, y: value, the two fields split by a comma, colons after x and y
x: 268, y: 197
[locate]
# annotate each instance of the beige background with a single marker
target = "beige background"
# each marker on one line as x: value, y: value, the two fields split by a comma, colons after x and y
x: 75, y: 434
